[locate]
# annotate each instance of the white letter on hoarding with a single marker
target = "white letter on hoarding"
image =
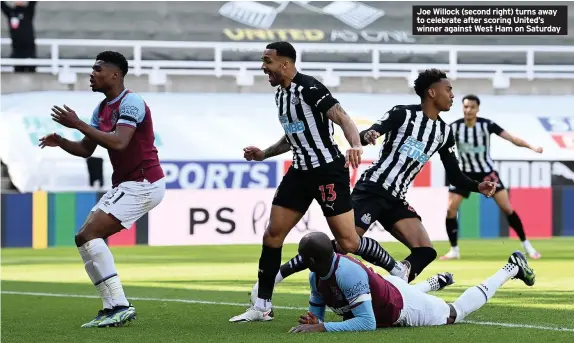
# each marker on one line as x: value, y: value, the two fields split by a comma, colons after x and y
x: 216, y: 175
x: 258, y: 174
x: 540, y: 173
x: 238, y: 170
x: 184, y: 176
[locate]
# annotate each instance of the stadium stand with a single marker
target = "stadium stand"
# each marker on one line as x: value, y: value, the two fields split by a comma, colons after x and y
x: 384, y: 23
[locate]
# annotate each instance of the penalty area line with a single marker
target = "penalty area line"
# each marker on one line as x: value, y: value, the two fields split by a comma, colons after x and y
x: 205, y: 302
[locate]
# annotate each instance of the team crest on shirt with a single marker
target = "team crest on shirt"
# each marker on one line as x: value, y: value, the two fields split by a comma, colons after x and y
x: 295, y: 100
x: 439, y: 138
x: 114, y: 116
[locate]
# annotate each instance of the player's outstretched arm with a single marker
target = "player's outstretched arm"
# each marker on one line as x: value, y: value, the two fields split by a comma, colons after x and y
x: 519, y: 142
x: 338, y: 115
x: 455, y: 176
x: 83, y: 148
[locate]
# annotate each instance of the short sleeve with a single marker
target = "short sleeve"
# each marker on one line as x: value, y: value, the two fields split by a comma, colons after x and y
x: 319, y: 97
x: 354, y: 282
x: 494, y: 128
x: 132, y: 110
x: 94, y: 121
x: 391, y: 120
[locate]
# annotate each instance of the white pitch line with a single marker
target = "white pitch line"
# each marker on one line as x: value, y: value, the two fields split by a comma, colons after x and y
x: 205, y: 302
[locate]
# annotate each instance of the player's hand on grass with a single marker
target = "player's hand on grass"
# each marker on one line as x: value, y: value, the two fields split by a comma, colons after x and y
x: 487, y: 188
x: 308, y: 318
x: 66, y: 117
x: 353, y: 157
x: 51, y: 140
x: 308, y: 328
x: 371, y: 137
x: 252, y: 153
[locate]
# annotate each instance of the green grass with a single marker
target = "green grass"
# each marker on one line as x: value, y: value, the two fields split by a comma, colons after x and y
x: 227, y: 273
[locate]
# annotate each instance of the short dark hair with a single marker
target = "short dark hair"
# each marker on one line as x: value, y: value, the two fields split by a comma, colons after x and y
x: 471, y: 97
x: 284, y: 49
x: 426, y: 79
x: 114, y: 58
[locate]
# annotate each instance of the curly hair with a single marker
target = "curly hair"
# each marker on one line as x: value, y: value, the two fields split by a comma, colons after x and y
x: 114, y: 58
x: 426, y: 79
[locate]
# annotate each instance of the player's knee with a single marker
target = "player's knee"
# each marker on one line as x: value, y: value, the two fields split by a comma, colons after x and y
x: 451, y: 212
x: 348, y: 244
x: 273, y: 237
x: 87, y: 233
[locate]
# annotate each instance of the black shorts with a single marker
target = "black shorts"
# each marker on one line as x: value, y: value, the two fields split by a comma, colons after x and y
x: 479, y: 177
x: 330, y: 185
x: 371, y: 203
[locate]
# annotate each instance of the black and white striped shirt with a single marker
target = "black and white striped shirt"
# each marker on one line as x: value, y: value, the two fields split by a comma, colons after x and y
x: 303, y: 110
x: 411, y: 138
x: 473, y: 144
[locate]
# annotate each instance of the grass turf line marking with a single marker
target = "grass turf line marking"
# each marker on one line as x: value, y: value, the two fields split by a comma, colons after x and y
x: 205, y: 302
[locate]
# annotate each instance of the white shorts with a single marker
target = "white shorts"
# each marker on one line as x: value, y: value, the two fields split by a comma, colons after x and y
x: 419, y: 309
x: 130, y: 200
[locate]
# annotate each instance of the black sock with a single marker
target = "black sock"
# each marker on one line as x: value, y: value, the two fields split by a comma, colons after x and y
x: 294, y: 265
x: 452, y: 231
x: 419, y: 259
x: 373, y: 252
x: 515, y: 223
x: 269, y: 263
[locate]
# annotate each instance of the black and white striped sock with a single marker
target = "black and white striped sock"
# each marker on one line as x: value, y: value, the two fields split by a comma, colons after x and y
x: 373, y: 252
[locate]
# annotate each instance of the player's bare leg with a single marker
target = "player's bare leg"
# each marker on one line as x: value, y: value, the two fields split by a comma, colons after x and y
x: 100, y: 266
x: 475, y: 297
x: 281, y: 222
x: 503, y: 201
x: 412, y: 233
x: 454, y: 201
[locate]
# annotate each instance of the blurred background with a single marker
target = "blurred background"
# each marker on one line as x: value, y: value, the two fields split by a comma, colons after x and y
x: 197, y: 65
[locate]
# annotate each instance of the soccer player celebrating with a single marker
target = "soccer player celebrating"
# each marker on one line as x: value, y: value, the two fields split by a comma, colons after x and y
x: 122, y: 124
x: 413, y: 133
x: 472, y: 135
x: 368, y: 301
x: 307, y: 111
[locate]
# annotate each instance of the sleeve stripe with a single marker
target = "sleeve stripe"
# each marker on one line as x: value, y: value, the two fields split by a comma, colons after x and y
x: 361, y: 298
x: 128, y: 118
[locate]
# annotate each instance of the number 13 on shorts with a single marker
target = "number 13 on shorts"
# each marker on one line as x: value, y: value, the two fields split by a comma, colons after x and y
x: 328, y: 192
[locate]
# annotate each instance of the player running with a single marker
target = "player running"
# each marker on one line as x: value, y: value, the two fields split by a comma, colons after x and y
x: 122, y: 124
x: 472, y: 135
x: 307, y: 111
x: 413, y: 133
x: 368, y: 301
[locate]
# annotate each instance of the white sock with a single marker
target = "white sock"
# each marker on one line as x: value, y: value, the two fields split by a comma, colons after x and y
x: 398, y: 269
x: 105, y: 270
x: 278, y: 277
x: 528, y: 247
x: 92, y: 273
x: 475, y: 297
x: 430, y: 284
x: 262, y: 304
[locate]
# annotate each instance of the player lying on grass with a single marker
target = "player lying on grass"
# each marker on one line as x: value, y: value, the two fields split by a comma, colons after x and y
x: 368, y: 301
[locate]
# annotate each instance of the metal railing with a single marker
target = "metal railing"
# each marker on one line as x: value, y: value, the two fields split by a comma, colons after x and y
x: 375, y: 68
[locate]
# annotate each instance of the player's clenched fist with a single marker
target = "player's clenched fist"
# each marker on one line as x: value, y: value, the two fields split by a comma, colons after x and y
x: 487, y: 188
x: 50, y: 140
x: 252, y: 153
x: 371, y: 137
x: 353, y: 157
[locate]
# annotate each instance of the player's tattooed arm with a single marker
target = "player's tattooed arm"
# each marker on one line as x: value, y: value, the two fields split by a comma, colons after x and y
x: 338, y: 115
x: 281, y: 147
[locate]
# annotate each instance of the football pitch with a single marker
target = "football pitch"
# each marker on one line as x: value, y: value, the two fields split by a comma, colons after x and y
x: 187, y: 294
